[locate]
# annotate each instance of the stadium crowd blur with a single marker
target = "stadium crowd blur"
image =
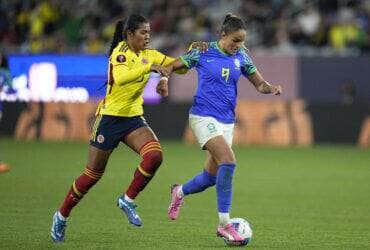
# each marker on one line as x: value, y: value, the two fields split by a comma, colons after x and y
x: 275, y: 26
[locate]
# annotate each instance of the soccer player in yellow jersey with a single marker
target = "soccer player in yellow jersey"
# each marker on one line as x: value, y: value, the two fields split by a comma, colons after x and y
x: 119, y: 119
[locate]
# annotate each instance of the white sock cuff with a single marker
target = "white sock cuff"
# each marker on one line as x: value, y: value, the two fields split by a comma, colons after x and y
x: 224, y: 218
x: 128, y: 198
x: 180, y: 192
x: 61, y: 217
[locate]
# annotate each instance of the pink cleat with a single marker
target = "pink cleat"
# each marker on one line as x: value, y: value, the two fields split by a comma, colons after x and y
x: 176, y: 202
x: 230, y: 235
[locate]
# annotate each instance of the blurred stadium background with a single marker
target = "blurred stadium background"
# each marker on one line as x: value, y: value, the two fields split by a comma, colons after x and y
x: 318, y: 51
x: 54, y: 53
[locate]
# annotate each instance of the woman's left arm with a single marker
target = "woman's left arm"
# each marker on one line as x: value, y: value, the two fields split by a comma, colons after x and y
x: 263, y: 86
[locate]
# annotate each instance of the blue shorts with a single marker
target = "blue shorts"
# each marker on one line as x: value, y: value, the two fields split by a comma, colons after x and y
x: 108, y: 131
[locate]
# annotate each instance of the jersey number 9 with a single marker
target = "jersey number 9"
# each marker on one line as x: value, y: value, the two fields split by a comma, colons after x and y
x: 225, y: 73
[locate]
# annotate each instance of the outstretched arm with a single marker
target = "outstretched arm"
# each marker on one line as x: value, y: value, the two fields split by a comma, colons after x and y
x: 184, y: 62
x: 250, y: 71
x: 178, y: 64
x: 263, y: 86
x: 122, y: 74
x: 162, y: 86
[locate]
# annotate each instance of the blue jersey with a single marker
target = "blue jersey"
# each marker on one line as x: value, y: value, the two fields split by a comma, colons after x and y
x: 218, y: 75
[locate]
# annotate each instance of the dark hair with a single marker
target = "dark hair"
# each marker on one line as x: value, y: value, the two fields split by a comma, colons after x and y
x: 232, y: 23
x: 131, y: 24
x: 117, y: 37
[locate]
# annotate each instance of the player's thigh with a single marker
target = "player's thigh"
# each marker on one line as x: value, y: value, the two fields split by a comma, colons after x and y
x: 211, y: 164
x: 98, y: 158
x: 139, y: 137
x: 204, y: 128
x: 228, y: 133
x: 220, y: 150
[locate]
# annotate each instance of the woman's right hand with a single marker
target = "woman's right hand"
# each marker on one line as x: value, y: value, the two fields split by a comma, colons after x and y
x: 160, y: 69
x: 162, y: 87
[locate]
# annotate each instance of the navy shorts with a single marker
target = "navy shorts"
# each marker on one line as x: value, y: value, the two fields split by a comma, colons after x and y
x: 108, y: 131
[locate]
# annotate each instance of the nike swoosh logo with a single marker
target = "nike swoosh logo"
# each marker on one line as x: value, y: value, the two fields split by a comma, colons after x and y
x: 210, y: 60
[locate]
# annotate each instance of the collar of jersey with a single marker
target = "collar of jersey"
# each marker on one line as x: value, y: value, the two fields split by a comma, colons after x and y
x: 138, y: 55
x: 221, y: 50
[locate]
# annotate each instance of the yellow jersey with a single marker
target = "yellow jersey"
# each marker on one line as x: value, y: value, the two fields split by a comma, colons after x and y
x: 128, y: 74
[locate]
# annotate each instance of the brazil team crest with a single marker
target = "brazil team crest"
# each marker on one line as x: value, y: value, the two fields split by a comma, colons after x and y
x: 211, y: 127
x: 237, y: 63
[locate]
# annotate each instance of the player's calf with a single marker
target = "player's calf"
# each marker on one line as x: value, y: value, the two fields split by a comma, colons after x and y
x: 152, y: 159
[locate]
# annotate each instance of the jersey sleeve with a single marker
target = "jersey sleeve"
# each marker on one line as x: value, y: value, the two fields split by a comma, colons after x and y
x: 160, y: 59
x: 191, y: 58
x: 163, y: 60
x: 120, y: 70
x: 247, y: 66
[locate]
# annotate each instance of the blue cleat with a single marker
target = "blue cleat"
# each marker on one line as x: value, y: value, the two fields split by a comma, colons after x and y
x: 128, y: 208
x: 58, y: 228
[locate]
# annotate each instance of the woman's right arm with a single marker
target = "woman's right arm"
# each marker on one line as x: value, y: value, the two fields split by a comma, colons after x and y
x: 122, y: 74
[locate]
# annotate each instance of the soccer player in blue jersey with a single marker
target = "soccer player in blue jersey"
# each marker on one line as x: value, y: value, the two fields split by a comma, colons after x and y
x: 212, y: 116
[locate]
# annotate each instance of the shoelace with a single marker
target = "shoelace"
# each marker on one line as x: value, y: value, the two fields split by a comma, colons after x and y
x: 131, y: 207
x: 61, y: 226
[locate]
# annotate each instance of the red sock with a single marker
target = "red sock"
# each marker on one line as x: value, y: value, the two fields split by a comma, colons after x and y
x: 152, y: 159
x: 79, y: 188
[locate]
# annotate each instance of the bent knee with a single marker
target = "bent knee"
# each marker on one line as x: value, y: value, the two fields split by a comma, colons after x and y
x: 151, y: 162
x: 154, y: 158
x: 227, y: 159
x: 152, y: 154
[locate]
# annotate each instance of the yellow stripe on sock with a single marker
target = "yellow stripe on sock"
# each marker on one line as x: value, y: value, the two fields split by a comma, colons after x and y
x: 92, y: 176
x: 93, y: 173
x: 151, y: 150
x: 76, y: 190
x: 150, y: 144
x: 142, y: 171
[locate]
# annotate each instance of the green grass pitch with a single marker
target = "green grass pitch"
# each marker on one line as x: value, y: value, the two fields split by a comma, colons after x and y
x: 295, y: 198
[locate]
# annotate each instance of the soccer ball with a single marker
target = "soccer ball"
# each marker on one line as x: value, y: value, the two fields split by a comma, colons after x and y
x: 244, y: 229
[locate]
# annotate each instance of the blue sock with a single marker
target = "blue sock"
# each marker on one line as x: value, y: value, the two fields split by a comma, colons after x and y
x: 199, y: 183
x: 224, y: 186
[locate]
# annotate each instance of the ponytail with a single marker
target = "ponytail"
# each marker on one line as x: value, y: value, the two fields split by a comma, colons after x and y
x: 227, y: 18
x: 117, y: 37
x: 232, y: 23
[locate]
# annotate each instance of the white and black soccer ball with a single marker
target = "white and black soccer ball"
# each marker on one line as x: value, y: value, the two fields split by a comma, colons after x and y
x: 244, y: 229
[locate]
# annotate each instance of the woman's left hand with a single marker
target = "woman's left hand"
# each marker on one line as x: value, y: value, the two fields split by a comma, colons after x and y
x: 202, y: 46
x: 277, y: 90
